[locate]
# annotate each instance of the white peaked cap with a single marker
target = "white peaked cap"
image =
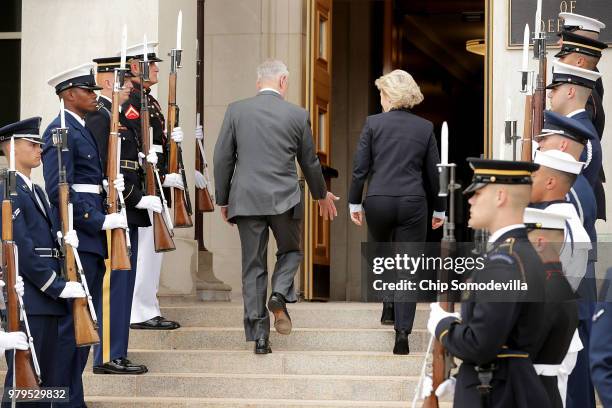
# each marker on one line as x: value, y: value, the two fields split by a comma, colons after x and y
x: 558, y: 160
x: 551, y: 218
x: 583, y: 22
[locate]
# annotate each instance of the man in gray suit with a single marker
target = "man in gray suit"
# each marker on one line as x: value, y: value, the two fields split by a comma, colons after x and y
x: 257, y: 188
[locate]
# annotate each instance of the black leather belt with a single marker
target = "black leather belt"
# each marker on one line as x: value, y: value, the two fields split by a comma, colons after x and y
x: 129, y: 164
x: 48, y: 253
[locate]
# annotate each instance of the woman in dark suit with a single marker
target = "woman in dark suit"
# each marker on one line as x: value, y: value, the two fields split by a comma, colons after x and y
x: 397, y: 154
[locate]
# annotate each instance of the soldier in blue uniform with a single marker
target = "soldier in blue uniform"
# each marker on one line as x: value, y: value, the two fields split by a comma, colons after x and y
x: 569, y: 135
x: 601, y: 343
x: 496, y: 340
x: 118, y: 286
x: 35, y: 231
x: 85, y: 176
x: 146, y: 313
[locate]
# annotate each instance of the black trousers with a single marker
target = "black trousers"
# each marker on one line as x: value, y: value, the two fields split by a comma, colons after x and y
x: 397, y: 219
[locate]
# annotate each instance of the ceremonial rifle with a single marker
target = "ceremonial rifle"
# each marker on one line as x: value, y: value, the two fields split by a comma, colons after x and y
x: 181, y: 201
x: 83, y: 312
x: 120, y: 247
x: 162, y: 225
x: 26, y: 372
x: 442, y: 363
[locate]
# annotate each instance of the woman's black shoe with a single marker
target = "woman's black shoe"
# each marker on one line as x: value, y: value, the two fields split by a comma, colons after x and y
x: 401, y: 343
x: 388, y: 314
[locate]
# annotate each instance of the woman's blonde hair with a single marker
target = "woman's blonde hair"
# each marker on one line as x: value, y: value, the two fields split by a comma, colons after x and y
x: 400, y: 88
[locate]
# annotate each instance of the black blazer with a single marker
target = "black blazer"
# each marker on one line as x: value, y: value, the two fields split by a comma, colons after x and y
x: 397, y: 154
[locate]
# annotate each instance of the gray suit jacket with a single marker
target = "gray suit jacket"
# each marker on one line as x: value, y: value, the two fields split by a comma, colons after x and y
x: 254, y: 159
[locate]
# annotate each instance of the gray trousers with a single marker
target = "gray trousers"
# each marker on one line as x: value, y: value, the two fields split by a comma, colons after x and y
x: 254, y: 234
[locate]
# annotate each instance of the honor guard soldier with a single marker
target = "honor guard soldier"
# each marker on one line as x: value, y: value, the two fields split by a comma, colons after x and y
x: 546, y: 233
x: 601, y: 343
x: 568, y: 135
x: 146, y: 313
x: 111, y: 354
x: 85, y: 175
x: 36, y: 235
x: 498, y: 339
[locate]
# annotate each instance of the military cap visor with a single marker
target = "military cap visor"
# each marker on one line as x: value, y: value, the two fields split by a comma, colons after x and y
x: 570, y: 74
x: 27, y: 129
x: 136, y: 52
x: 109, y: 64
x: 572, y: 42
x: 549, y: 219
x: 555, y: 123
x: 78, y: 77
x: 499, y: 172
x: 575, y: 22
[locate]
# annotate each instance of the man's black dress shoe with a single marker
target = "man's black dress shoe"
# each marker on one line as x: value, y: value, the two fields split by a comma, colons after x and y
x: 401, y: 342
x: 262, y: 346
x: 282, y: 320
x: 118, y: 366
x: 156, y: 323
x: 388, y: 314
x: 128, y: 363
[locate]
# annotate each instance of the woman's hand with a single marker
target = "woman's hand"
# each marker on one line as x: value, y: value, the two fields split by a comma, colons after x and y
x: 357, y: 218
x: 436, y: 222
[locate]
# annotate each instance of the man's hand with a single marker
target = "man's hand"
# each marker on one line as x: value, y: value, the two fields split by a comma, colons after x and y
x: 173, y: 180
x: 224, y: 212
x: 357, y: 218
x: 436, y: 222
x: 327, y: 208
x: 177, y: 135
x: 436, y: 315
x: 150, y: 202
x: 13, y: 340
x: 114, y: 220
x: 73, y: 290
x: 200, y: 180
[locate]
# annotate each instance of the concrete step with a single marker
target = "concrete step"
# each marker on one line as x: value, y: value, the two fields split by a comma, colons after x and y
x: 223, y: 338
x: 279, y: 362
x: 253, y: 386
x: 341, y: 315
x: 134, y: 402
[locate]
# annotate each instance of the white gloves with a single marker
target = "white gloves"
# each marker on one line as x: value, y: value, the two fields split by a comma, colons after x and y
x: 177, y: 135
x: 437, y: 314
x: 173, y: 180
x: 199, y: 133
x: 114, y: 220
x: 151, y: 157
x: 19, y: 288
x: 73, y: 290
x: 446, y: 388
x: 13, y: 340
x: 200, y: 180
x: 150, y: 202
x: 71, y: 238
x: 119, y: 184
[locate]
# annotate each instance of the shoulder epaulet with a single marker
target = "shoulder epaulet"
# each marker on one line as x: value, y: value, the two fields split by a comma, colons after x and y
x: 507, y: 246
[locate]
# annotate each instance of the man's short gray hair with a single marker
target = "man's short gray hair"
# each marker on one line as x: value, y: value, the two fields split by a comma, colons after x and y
x: 271, y: 69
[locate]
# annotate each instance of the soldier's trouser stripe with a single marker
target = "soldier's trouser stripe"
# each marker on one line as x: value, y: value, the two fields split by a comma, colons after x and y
x: 106, y: 283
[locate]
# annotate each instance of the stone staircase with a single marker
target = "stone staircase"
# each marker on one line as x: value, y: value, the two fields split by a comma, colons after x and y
x: 338, y: 355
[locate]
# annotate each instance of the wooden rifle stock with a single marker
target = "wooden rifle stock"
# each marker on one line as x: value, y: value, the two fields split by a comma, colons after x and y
x: 85, y: 331
x: 161, y: 234
x: 526, y: 151
x: 539, y: 98
x: 25, y: 375
x: 119, y: 256
x: 182, y: 212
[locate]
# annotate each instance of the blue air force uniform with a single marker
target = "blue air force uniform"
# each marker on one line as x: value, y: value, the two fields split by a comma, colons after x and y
x: 34, y: 232
x: 601, y: 343
x: 84, y: 175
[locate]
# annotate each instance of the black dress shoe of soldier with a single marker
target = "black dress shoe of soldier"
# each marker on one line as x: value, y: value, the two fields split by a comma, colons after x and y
x: 388, y: 314
x: 128, y: 363
x: 278, y: 307
x: 401, y: 343
x: 117, y: 366
x: 262, y: 346
x: 156, y: 323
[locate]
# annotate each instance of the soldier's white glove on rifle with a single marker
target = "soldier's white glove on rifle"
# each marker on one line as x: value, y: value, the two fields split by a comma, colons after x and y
x: 199, y: 133
x: 177, y: 135
x: 114, y: 220
x: 150, y: 202
x: 13, y: 340
x: 436, y: 315
x: 73, y: 290
x: 173, y: 180
x: 71, y: 238
x: 19, y: 287
x: 200, y: 180
x: 119, y: 184
x: 447, y: 388
x: 151, y: 157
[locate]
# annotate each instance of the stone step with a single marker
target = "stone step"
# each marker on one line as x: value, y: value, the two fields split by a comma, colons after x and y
x: 341, y: 315
x: 138, y: 402
x: 279, y: 362
x: 253, y: 386
x: 223, y: 338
